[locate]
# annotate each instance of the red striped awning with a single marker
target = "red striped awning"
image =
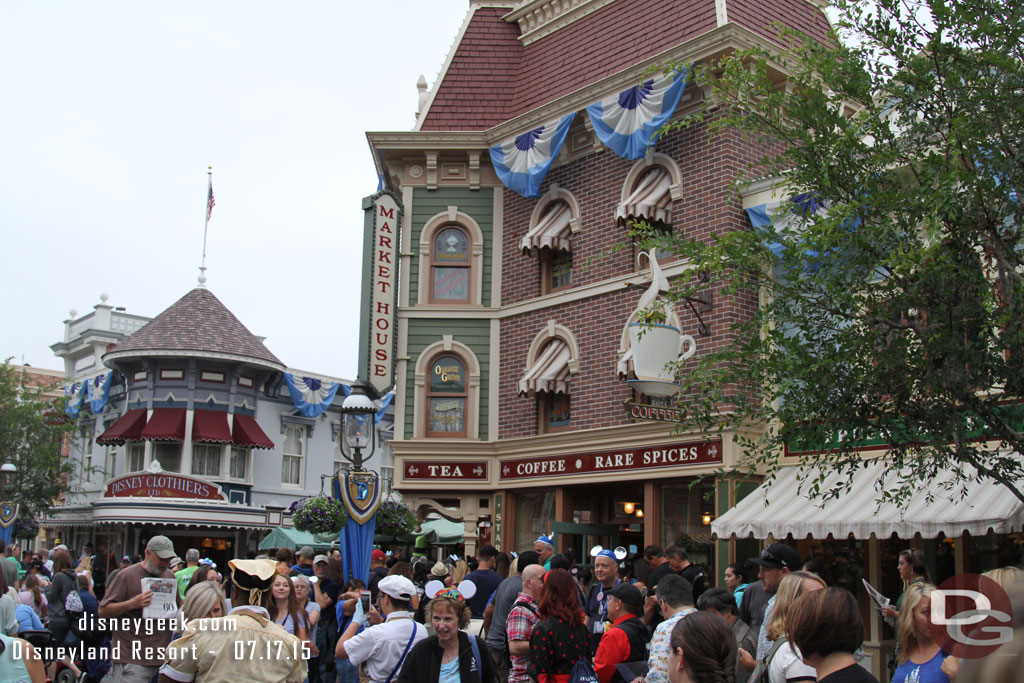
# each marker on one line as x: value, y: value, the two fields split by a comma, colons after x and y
x: 210, y: 426
x: 127, y: 428
x: 248, y: 434
x: 165, y: 424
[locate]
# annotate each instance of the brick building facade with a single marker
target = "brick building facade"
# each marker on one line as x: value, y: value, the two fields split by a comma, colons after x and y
x: 513, y: 410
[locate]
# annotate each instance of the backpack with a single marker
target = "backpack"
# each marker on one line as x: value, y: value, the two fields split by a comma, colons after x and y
x: 760, y: 673
x: 75, y: 610
x: 508, y: 653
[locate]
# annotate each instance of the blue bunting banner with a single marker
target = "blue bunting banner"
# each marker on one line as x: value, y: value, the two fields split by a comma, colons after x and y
x: 783, y: 213
x: 74, y: 395
x: 522, y: 162
x: 98, y: 389
x: 310, y: 395
x: 384, y: 402
x: 628, y: 123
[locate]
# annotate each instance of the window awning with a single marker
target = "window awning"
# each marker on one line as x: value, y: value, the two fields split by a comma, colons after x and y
x: 651, y: 199
x: 791, y: 510
x: 127, y: 428
x: 550, y: 372
x: 210, y: 426
x: 248, y: 434
x: 165, y: 424
x: 551, y: 231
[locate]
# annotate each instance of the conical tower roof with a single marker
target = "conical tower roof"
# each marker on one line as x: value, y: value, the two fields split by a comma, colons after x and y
x: 198, y: 324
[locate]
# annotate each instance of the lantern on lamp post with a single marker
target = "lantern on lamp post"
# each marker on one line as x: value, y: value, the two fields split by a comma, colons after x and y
x: 358, y: 429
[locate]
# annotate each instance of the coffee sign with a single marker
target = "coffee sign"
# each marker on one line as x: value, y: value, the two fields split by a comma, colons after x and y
x: 647, y: 457
x: 645, y: 411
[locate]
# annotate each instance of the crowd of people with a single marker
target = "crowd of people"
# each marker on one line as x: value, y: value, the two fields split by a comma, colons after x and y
x: 535, y: 616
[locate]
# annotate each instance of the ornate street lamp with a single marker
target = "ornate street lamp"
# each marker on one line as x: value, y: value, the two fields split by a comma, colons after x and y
x: 358, y: 437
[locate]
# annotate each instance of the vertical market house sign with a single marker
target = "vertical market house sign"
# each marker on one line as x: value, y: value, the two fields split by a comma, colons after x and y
x: 381, y: 223
x: 162, y: 485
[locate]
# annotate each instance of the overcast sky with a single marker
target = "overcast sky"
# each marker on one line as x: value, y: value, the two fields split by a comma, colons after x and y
x: 112, y: 112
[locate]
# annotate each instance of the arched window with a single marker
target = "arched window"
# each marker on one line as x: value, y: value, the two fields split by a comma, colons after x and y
x: 449, y: 266
x: 446, y: 397
x: 551, y: 362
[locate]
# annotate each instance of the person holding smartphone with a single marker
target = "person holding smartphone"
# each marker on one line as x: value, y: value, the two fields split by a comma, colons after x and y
x: 384, y: 645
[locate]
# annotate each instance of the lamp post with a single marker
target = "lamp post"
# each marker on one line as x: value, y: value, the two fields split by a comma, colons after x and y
x: 358, y: 427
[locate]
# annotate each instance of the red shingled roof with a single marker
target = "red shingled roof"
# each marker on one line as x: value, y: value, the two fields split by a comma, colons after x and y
x: 197, y: 322
x: 493, y: 77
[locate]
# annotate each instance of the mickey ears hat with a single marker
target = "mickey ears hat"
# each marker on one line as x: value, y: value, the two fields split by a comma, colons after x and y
x: 436, y: 589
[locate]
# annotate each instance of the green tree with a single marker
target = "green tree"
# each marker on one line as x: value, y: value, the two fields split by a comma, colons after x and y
x: 33, y: 429
x: 895, y: 314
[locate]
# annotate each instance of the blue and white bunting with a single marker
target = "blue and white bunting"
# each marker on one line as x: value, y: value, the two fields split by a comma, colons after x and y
x: 74, y: 394
x: 628, y: 123
x: 98, y: 388
x: 522, y: 162
x: 384, y: 402
x: 310, y: 396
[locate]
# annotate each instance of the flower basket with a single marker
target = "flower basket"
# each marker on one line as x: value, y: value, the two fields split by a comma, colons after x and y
x: 394, y: 519
x: 25, y: 528
x: 319, y: 515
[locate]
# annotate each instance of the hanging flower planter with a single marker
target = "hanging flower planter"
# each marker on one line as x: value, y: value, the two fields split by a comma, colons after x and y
x: 25, y: 528
x: 394, y: 519
x: 319, y: 515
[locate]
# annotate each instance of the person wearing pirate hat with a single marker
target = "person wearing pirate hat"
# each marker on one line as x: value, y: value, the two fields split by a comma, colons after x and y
x: 245, y: 645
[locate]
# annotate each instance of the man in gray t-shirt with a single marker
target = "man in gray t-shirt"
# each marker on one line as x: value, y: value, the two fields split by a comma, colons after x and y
x: 504, y: 598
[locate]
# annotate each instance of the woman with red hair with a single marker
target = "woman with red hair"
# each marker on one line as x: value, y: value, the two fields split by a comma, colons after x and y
x: 560, y: 638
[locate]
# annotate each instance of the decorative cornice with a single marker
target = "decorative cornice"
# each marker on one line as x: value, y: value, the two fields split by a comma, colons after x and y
x: 114, y: 355
x: 539, y: 18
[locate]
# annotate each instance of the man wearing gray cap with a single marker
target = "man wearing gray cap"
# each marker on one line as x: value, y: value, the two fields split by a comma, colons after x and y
x: 138, y: 647
x: 385, y: 646
x: 305, y: 561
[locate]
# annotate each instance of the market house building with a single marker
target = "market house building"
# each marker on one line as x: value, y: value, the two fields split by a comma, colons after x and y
x: 186, y: 425
x: 517, y: 393
x: 522, y: 399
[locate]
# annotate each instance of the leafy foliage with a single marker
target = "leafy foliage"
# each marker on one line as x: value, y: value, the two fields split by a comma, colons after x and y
x: 895, y: 316
x: 32, y: 432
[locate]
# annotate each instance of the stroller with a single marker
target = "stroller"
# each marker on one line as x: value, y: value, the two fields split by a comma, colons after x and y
x: 44, y: 642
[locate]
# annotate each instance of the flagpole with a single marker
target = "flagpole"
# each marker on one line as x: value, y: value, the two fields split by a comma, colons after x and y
x: 206, y: 224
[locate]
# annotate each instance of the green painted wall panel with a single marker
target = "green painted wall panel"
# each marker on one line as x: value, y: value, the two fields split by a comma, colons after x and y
x: 428, y: 203
x: 474, y: 333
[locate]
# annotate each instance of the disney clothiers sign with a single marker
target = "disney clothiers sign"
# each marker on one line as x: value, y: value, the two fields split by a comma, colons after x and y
x: 162, y: 485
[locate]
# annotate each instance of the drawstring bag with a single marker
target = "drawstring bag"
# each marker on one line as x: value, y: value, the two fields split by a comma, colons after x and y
x: 582, y: 672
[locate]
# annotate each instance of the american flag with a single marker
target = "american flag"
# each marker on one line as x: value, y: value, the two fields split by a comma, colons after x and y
x: 210, y: 203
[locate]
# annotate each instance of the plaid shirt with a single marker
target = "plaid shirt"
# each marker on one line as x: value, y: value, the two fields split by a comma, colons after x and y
x: 519, y: 626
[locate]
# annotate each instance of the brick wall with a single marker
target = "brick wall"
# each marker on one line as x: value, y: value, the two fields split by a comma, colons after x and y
x: 708, y: 166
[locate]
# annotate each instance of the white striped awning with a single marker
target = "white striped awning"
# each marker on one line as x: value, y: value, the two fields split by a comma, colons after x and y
x: 651, y: 199
x: 551, y: 231
x: 624, y: 367
x: 790, y: 510
x: 550, y: 372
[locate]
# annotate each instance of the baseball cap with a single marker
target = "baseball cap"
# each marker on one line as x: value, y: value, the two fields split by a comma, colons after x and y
x: 628, y: 593
x: 306, y: 551
x: 320, y: 558
x: 162, y: 546
x: 777, y: 556
x: 397, y: 587
x: 378, y: 555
